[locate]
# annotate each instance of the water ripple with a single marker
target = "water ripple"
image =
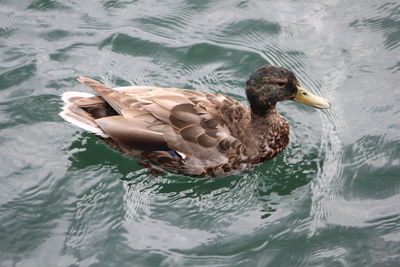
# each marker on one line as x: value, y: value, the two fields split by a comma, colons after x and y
x: 328, y: 184
x: 17, y: 75
x: 388, y: 23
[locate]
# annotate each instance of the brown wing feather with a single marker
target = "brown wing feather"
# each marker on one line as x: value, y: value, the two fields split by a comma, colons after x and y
x: 132, y: 133
x: 116, y: 99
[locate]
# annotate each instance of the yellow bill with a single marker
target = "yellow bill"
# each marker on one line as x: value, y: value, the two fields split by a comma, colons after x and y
x: 305, y: 97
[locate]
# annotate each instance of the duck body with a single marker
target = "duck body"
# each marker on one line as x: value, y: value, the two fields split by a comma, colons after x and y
x: 187, y: 131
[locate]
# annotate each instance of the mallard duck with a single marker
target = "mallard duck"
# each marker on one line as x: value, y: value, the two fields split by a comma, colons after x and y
x: 191, y: 132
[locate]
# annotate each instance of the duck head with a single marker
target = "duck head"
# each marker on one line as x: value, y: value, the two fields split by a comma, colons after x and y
x: 270, y: 84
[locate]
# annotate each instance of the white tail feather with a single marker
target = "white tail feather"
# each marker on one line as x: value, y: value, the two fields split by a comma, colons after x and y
x: 67, y: 96
x: 78, y: 116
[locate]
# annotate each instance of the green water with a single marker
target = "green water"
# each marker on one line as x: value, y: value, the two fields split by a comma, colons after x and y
x: 331, y: 199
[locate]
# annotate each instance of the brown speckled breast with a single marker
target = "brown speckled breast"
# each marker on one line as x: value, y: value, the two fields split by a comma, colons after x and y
x: 273, y: 136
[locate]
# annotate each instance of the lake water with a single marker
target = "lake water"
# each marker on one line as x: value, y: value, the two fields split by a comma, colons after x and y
x: 332, y: 198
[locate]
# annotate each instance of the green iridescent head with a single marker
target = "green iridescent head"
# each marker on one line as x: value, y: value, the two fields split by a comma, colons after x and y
x: 270, y: 84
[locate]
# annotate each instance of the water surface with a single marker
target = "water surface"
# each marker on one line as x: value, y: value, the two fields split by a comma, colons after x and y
x: 331, y: 199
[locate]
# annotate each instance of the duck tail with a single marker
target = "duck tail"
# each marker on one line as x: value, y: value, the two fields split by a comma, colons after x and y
x: 74, y: 114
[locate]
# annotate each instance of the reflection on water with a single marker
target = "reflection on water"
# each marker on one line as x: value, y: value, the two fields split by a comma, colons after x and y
x: 330, y: 199
x: 386, y: 21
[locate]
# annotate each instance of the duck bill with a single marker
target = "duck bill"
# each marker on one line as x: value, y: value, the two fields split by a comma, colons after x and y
x: 305, y: 97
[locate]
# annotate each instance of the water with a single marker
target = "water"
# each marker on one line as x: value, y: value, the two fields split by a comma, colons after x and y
x: 331, y: 199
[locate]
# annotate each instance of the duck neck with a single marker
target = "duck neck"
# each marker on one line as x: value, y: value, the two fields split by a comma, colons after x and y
x: 259, y: 107
x: 272, y: 131
x: 268, y: 119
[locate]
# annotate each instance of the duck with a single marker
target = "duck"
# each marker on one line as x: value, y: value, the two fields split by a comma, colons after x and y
x: 190, y: 132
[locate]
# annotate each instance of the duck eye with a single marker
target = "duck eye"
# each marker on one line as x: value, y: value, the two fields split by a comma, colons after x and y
x: 280, y: 84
